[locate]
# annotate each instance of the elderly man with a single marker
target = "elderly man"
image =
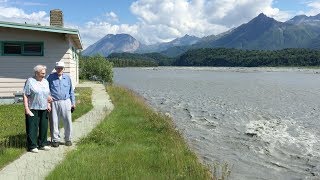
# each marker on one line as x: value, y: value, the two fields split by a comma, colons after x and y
x: 63, y: 100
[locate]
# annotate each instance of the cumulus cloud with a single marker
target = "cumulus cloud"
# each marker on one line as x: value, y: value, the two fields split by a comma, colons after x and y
x: 168, y: 19
x: 314, y: 7
x: 111, y: 16
x: 232, y: 13
x: 174, y: 18
x: 164, y: 20
x: 9, y: 13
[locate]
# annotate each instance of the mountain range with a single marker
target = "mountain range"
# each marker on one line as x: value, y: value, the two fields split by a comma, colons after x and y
x: 261, y: 33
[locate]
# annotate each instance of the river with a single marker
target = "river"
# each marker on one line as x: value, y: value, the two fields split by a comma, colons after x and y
x: 264, y: 122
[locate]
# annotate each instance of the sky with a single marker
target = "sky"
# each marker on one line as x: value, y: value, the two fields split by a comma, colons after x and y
x: 153, y: 21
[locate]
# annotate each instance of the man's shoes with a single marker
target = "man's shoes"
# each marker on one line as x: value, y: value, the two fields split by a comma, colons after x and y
x: 34, y: 150
x: 45, y: 148
x: 68, y: 143
x: 55, y: 144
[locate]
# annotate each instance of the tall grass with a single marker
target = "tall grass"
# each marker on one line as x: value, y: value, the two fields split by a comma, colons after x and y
x: 12, y: 126
x: 12, y: 132
x: 133, y: 142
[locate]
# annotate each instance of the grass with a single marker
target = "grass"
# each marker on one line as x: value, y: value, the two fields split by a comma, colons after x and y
x: 83, y: 104
x: 12, y: 126
x: 12, y: 133
x: 133, y: 142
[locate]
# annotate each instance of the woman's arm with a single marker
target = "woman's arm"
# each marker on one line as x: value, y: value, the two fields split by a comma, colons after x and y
x: 26, y: 105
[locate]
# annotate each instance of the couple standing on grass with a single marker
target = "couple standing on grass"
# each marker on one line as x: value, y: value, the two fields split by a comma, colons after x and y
x: 53, y: 96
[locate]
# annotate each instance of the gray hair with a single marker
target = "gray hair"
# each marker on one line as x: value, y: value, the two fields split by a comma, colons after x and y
x: 39, y: 68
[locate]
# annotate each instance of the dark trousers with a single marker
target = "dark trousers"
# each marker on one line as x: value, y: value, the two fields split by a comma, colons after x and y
x: 37, y: 129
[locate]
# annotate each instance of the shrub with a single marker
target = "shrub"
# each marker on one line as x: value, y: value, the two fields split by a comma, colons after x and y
x: 95, y: 68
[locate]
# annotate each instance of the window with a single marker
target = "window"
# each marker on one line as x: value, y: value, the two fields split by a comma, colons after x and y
x: 32, y: 49
x: 22, y: 48
x: 11, y: 48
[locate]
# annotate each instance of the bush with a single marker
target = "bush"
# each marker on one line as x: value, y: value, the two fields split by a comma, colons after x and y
x: 95, y: 68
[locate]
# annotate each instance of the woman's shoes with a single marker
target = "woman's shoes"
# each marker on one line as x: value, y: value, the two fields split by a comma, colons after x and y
x: 45, y: 148
x: 34, y: 150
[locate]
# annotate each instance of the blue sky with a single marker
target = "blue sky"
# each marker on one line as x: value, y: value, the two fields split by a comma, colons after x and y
x: 152, y: 21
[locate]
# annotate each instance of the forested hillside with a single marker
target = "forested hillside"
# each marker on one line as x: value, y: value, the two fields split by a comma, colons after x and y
x: 249, y: 58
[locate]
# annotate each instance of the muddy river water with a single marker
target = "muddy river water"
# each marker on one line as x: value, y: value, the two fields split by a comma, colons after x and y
x: 264, y: 122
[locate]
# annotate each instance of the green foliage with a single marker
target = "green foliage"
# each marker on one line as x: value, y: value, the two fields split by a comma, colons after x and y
x: 96, y: 68
x: 249, y: 58
x: 126, y: 62
x: 176, y: 50
x: 228, y: 57
x: 133, y: 142
x: 139, y: 60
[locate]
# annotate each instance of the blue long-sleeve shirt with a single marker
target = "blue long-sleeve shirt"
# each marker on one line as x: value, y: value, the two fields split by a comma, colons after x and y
x: 61, y: 89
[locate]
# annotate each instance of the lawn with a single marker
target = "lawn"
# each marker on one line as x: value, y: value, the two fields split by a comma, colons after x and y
x: 133, y: 142
x: 12, y: 125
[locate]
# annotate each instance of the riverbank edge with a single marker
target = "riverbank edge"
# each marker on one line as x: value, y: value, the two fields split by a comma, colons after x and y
x: 133, y: 123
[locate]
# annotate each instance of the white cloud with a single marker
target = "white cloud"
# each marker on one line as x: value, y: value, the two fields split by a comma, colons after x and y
x: 31, y: 4
x: 112, y: 17
x: 9, y: 13
x: 164, y: 20
x: 314, y: 8
x: 174, y: 18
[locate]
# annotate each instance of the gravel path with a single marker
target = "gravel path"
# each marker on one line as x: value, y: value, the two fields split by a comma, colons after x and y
x: 38, y: 165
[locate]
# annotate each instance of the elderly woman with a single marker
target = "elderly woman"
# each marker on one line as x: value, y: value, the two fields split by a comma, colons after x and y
x: 35, y: 99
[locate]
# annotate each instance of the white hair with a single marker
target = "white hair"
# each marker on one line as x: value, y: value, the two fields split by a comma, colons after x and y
x: 39, y: 68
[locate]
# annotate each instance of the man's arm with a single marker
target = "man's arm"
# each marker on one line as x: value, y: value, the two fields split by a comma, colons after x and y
x: 72, y: 97
x: 49, y: 82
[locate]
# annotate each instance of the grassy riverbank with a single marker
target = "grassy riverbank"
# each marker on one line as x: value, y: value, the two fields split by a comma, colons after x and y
x: 12, y: 126
x: 133, y: 142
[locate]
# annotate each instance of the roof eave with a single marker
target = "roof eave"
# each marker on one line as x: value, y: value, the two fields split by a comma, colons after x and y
x: 74, y: 33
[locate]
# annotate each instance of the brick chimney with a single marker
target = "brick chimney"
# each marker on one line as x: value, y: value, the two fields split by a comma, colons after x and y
x: 56, y: 18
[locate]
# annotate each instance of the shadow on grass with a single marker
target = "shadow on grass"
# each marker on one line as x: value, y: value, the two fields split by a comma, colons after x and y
x: 15, y: 141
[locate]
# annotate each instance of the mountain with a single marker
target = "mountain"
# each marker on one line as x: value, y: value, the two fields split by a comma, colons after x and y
x: 113, y: 43
x: 175, y: 51
x: 265, y: 33
x: 261, y: 33
x: 125, y: 43
x: 201, y: 43
x: 305, y: 20
x: 186, y: 40
x: 247, y: 34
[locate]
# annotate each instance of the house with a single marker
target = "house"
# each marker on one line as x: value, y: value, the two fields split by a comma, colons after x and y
x: 23, y: 46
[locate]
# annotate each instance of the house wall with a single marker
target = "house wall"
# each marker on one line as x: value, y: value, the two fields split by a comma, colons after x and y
x: 14, y: 70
